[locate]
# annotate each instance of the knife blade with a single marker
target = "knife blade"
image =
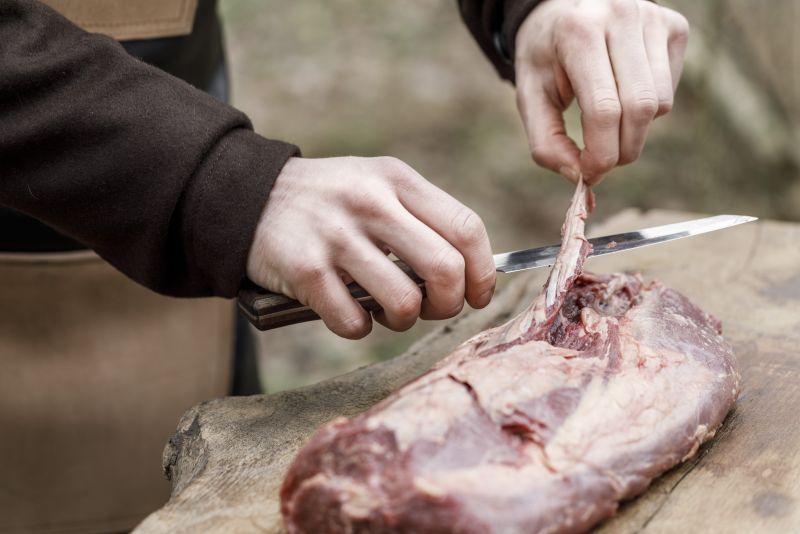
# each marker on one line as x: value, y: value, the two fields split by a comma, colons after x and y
x: 267, y: 310
x: 532, y: 258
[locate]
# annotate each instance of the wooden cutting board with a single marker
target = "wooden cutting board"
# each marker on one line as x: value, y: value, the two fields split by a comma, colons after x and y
x: 229, y: 455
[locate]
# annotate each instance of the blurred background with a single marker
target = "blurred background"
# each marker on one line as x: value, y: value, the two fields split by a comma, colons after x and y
x: 376, y: 77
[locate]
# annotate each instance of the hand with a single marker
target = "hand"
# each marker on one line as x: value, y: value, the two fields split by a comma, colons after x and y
x: 621, y: 59
x: 329, y: 221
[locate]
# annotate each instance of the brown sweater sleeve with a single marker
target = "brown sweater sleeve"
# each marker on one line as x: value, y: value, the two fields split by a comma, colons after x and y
x: 163, y: 181
x: 494, y: 24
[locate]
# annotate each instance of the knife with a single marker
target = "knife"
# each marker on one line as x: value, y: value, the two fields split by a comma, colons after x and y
x: 267, y: 310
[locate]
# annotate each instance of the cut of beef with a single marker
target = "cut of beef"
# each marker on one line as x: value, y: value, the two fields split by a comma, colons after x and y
x: 541, y: 425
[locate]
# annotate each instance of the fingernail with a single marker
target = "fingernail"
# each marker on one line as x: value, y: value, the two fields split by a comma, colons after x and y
x: 569, y: 173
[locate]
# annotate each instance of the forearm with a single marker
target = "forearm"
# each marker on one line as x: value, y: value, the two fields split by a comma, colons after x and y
x: 161, y: 180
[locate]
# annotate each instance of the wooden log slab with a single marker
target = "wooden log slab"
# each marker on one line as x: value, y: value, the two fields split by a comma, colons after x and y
x: 228, y: 456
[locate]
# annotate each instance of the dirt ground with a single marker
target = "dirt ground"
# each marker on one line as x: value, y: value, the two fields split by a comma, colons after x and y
x: 374, y: 77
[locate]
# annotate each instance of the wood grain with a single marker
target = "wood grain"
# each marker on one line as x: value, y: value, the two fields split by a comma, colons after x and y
x: 229, y: 455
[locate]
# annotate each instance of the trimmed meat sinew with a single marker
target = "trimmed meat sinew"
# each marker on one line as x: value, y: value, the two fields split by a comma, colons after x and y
x: 543, y: 424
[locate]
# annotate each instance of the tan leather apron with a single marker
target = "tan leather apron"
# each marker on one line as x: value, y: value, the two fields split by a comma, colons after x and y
x: 95, y: 372
x: 130, y: 19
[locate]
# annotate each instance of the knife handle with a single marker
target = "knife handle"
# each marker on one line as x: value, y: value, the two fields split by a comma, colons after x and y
x: 267, y: 310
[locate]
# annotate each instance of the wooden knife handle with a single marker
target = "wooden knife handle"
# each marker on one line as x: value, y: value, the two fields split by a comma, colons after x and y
x: 267, y: 310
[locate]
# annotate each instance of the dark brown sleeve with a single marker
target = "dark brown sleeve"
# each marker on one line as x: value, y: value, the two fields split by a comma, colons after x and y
x: 494, y: 24
x: 163, y: 181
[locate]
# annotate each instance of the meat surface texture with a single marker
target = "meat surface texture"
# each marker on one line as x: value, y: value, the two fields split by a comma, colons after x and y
x: 543, y: 424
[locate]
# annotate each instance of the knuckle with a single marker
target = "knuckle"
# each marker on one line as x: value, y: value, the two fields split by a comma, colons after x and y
x: 368, y: 202
x: 468, y: 226
x: 309, y: 273
x: 339, y: 242
x: 408, y: 305
x: 606, y: 163
x: 357, y: 164
x: 388, y: 162
x: 679, y: 27
x: 603, y: 163
x: 392, y: 168
x: 578, y: 24
x: 447, y: 265
x: 665, y: 105
x: 624, y: 8
x: 663, y: 88
x: 542, y: 155
x: 643, y: 107
x: 605, y: 110
x: 371, y: 206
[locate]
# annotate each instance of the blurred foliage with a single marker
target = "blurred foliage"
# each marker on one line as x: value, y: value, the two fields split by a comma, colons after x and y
x: 373, y: 77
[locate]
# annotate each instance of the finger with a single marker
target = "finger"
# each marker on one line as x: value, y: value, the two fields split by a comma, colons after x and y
x: 584, y: 57
x: 634, y: 79
x: 431, y: 256
x: 655, y: 40
x: 460, y: 227
x: 464, y: 232
x: 543, y: 119
x: 676, y: 43
x: 324, y: 292
x: 397, y: 294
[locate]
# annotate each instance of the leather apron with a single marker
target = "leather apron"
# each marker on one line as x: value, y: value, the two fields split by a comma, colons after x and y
x: 95, y: 370
x: 130, y: 19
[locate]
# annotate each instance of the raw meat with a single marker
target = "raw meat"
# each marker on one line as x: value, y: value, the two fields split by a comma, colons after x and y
x: 541, y: 425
